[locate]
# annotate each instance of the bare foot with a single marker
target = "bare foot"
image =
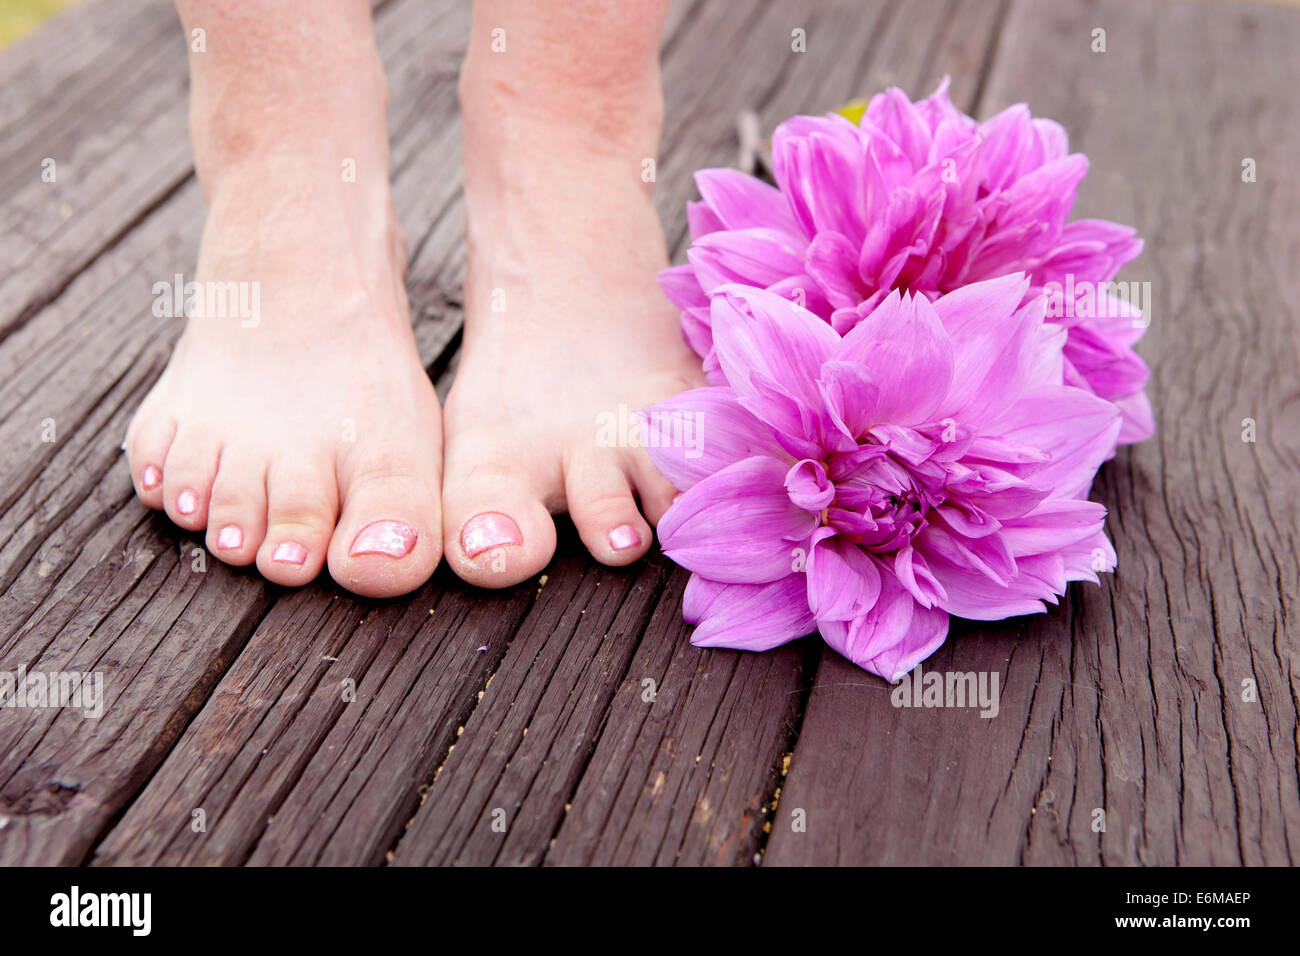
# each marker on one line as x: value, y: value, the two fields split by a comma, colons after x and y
x: 308, y: 432
x: 566, y: 330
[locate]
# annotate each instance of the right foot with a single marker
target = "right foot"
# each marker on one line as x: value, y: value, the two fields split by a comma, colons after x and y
x: 315, y: 435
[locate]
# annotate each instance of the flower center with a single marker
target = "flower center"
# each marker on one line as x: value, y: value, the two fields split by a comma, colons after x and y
x: 880, y: 502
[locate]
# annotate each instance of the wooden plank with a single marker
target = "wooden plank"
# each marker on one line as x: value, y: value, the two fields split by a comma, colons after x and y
x: 84, y: 361
x: 500, y: 794
x: 306, y: 835
x: 337, y: 780
x: 1127, y: 699
x: 158, y: 633
x: 288, y: 758
x: 300, y: 773
x: 640, y: 800
x: 449, y: 826
x: 49, y: 231
x: 686, y: 764
x: 72, y: 52
x: 298, y: 832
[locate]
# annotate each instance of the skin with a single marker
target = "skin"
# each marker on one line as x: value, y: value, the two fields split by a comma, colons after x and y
x: 320, y: 421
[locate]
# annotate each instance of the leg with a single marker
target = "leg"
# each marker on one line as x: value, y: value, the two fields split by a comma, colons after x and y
x: 565, y: 324
x: 302, y: 430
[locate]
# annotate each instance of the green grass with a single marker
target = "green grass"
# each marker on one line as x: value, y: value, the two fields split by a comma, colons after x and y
x: 20, y: 17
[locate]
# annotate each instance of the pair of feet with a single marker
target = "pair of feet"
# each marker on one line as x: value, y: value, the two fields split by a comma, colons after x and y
x: 313, y: 437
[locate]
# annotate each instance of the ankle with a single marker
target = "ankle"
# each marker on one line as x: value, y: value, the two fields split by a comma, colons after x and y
x: 512, y: 102
x: 294, y: 120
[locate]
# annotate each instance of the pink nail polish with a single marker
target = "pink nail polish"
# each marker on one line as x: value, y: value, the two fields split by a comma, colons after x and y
x: 623, y: 537
x: 289, y: 552
x: 385, y: 537
x: 187, y: 502
x: 230, y: 538
x: 489, y: 530
x: 151, y: 477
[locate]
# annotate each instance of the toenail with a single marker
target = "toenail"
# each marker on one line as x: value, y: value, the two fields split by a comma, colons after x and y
x: 623, y: 537
x: 151, y: 477
x: 289, y: 552
x: 385, y: 537
x: 187, y: 502
x: 230, y: 538
x: 489, y: 530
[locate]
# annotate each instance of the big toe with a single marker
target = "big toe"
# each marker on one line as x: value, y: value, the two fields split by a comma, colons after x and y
x: 389, y: 537
x: 498, y: 531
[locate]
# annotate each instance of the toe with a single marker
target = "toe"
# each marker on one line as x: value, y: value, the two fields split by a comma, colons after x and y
x: 496, y: 529
x: 653, y: 489
x: 187, y: 476
x: 147, y: 442
x: 604, y: 511
x: 301, y: 506
x: 389, y: 537
x: 237, y: 509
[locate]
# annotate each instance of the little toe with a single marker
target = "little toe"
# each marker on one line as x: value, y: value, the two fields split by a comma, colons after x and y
x: 187, y: 476
x: 604, y: 511
x: 237, y: 509
x: 301, y: 507
x: 147, y: 443
x: 389, y: 537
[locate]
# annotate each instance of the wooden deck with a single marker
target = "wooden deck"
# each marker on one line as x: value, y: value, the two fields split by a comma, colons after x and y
x: 226, y: 695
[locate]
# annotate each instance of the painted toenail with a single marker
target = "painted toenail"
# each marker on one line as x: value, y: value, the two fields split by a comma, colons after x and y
x: 623, y: 537
x: 385, y: 537
x: 489, y: 530
x: 151, y: 477
x: 289, y: 552
x: 230, y: 537
x: 187, y: 502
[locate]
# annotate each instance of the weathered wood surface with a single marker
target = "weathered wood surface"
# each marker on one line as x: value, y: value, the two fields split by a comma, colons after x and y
x: 315, y: 727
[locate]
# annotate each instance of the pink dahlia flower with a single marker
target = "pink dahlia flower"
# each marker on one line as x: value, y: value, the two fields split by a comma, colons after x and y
x: 919, y: 198
x: 928, y: 462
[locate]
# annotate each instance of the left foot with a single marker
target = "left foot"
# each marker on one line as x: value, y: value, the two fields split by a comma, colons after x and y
x: 566, y: 335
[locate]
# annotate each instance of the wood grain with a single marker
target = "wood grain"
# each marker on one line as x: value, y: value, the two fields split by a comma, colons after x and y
x: 313, y: 727
x: 1128, y: 699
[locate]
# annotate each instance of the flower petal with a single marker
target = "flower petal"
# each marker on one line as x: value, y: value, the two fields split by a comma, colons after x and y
x: 843, y: 581
x: 891, y: 638
x: 808, y: 487
x: 817, y: 162
x: 833, y: 261
x: 1075, y: 428
x: 694, y: 434
x: 753, y: 257
x: 771, y: 351
x: 908, y: 355
x: 851, y: 399
x: 1053, y: 526
x: 741, y: 201
x: 747, y: 617
x: 737, y: 526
